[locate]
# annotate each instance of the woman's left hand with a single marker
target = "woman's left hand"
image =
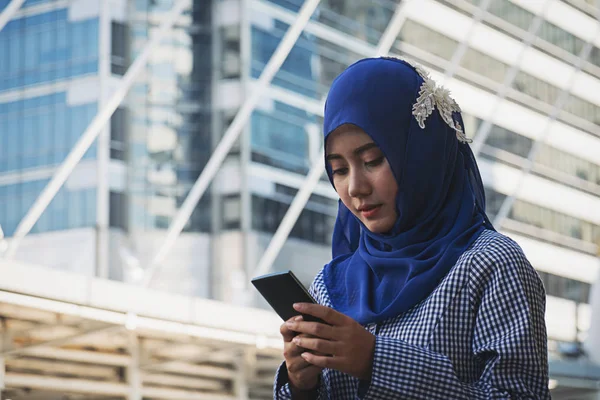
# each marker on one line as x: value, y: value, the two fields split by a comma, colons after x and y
x: 348, y: 345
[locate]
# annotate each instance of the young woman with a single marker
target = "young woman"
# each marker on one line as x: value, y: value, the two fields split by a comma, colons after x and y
x: 423, y: 298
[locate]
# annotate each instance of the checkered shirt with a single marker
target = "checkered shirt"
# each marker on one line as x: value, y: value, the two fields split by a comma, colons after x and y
x: 479, y: 335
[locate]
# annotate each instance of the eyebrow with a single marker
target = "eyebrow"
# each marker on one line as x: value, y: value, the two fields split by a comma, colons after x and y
x: 358, y: 151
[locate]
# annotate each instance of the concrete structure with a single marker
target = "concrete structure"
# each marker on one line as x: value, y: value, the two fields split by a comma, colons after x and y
x: 75, y: 319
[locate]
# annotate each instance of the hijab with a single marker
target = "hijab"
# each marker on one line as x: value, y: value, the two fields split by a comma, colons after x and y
x: 440, y: 201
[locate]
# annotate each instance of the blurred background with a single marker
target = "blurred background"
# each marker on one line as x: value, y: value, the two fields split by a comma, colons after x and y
x: 150, y: 149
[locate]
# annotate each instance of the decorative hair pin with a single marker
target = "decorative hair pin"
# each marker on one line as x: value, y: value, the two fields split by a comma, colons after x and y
x: 430, y: 96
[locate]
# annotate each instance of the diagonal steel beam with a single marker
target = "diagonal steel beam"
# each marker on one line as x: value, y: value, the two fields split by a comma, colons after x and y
x: 462, y: 48
x: 308, y: 186
x: 311, y: 181
x: 93, y: 130
x: 509, y: 78
x: 231, y: 135
x: 559, y: 104
x: 392, y: 30
x: 9, y: 12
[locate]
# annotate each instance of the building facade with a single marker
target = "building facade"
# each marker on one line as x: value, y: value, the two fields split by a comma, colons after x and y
x: 526, y: 74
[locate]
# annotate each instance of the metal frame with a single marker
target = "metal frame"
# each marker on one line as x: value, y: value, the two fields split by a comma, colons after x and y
x: 134, y: 376
x: 92, y: 131
x: 60, y: 341
x: 392, y: 30
x: 291, y: 216
x: 316, y: 170
x: 231, y: 135
x: 9, y: 12
x: 108, y: 326
x: 486, y: 126
x: 103, y: 151
x: 560, y: 102
x: 462, y: 48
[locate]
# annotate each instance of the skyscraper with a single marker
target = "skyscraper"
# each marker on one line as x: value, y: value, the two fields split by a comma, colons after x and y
x: 507, y: 65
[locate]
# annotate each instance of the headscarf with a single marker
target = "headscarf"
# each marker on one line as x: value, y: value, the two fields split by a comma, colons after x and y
x: 440, y: 200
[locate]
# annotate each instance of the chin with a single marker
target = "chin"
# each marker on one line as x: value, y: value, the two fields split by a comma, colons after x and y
x: 380, y: 227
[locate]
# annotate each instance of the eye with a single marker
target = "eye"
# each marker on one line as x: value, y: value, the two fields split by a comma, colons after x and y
x: 339, y: 171
x: 375, y: 162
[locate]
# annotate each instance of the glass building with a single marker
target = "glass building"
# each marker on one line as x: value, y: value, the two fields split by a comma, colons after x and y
x: 60, y: 60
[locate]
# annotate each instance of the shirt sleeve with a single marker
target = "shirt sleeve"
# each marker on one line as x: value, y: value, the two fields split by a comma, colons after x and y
x: 509, y: 342
x: 281, y: 388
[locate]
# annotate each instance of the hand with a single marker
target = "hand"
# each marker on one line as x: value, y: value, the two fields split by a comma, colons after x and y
x: 302, y: 374
x: 349, y: 346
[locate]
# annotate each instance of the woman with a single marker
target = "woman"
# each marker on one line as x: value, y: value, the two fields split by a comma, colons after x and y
x: 423, y: 298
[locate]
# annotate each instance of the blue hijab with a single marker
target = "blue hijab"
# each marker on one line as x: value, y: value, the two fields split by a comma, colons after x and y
x: 440, y: 200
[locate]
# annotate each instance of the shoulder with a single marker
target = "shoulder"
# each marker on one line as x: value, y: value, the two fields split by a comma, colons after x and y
x: 496, y: 259
x: 493, y: 251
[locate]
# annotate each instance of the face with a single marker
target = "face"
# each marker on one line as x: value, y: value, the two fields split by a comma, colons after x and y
x: 363, y: 178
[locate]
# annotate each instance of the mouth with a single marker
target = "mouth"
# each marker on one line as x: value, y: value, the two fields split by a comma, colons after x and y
x: 369, y: 211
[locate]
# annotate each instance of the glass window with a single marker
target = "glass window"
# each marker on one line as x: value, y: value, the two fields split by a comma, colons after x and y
x: 4, y: 151
x: 15, y: 53
x: 548, y: 32
x: 487, y: 66
x: 119, y: 48
x: 426, y: 39
x: 484, y: 65
x: 296, y: 72
x: 31, y: 48
x: 118, y: 134
x: 509, y: 141
x: 14, y: 143
x: 118, y: 217
x: 541, y: 217
x: 311, y: 225
x: 39, y: 48
x: 4, y: 59
x: 547, y: 156
x: 280, y: 139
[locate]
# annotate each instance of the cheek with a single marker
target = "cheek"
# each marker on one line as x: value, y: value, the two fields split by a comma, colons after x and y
x: 387, y: 187
x: 341, y: 187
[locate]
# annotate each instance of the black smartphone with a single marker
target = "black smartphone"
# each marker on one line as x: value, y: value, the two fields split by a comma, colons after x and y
x: 281, y: 290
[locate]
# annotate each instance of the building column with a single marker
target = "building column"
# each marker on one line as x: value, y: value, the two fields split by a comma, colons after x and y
x: 134, y: 377
x: 103, y: 152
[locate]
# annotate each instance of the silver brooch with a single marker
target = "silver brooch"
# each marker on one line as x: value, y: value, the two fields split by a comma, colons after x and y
x: 431, y: 96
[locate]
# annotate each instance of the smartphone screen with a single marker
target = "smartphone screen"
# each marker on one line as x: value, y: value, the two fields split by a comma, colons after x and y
x: 281, y: 290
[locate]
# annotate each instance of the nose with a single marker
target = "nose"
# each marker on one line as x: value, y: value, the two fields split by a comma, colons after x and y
x: 359, y: 185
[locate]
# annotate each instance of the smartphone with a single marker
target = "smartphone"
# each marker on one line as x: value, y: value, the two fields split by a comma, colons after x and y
x: 281, y: 290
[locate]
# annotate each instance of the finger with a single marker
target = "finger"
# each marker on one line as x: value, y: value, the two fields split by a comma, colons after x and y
x: 297, y: 364
x: 322, y: 361
x: 313, y: 329
x: 291, y: 350
x: 285, y: 331
x: 327, y: 314
x: 317, y: 345
x: 309, y: 372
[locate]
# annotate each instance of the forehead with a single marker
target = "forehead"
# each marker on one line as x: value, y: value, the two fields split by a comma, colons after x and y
x: 345, y: 138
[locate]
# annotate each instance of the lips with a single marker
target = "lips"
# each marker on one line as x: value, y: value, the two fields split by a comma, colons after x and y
x: 369, y: 211
x: 367, y: 207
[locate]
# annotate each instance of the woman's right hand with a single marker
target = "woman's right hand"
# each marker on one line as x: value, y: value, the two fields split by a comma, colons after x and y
x: 302, y: 375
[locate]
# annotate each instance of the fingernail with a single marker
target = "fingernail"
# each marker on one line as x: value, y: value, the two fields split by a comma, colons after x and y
x: 297, y: 306
x: 298, y: 318
x: 303, y: 355
x: 296, y: 340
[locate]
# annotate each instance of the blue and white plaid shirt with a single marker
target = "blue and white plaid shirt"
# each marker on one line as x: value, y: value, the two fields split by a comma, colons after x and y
x: 479, y: 335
